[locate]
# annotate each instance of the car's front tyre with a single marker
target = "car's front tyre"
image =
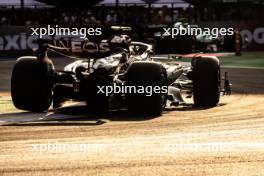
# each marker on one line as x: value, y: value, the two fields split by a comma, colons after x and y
x: 206, y: 81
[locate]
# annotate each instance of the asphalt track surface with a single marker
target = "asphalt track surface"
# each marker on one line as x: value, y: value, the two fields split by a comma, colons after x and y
x: 224, y: 140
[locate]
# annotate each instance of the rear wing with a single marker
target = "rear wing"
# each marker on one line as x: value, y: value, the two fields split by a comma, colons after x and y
x: 85, y: 48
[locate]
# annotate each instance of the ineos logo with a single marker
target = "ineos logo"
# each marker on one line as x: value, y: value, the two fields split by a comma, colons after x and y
x: 90, y: 47
x: 79, y: 46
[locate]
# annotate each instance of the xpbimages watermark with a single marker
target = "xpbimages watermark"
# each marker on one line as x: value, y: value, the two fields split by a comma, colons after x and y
x: 125, y: 89
x: 65, y: 31
x: 195, y: 30
x: 57, y: 147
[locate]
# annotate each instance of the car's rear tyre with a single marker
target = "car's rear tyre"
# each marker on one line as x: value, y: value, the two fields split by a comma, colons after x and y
x: 97, y: 102
x: 31, y: 84
x: 206, y: 81
x: 146, y: 74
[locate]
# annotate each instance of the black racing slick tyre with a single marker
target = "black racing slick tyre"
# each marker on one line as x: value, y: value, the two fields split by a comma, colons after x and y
x: 97, y: 102
x: 31, y: 84
x: 206, y: 81
x: 149, y: 76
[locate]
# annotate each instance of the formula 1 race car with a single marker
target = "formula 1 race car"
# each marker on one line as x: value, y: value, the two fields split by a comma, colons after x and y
x: 174, y: 38
x: 114, y: 68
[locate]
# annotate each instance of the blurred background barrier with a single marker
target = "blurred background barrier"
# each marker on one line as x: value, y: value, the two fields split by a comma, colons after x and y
x: 17, y: 40
x: 17, y: 16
